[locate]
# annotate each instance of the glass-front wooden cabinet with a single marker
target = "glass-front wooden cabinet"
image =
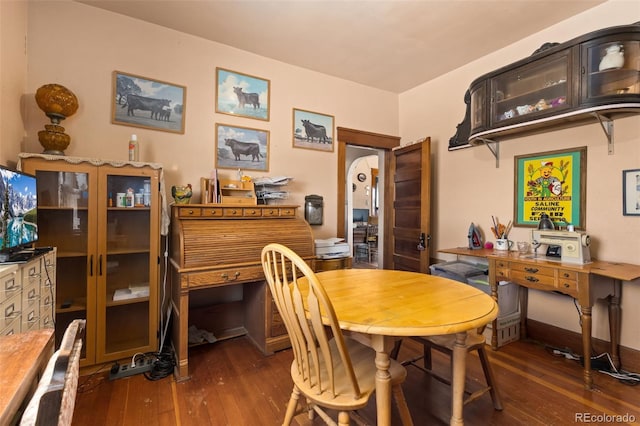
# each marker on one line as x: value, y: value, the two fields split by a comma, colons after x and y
x: 104, y: 220
x: 592, y: 78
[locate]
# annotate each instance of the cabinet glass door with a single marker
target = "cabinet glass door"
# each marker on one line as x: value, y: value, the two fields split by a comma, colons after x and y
x: 65, y: 222
x: 478, y: 109
x: 531, y: 91
x: 125, y: 297
x: 612, y: 70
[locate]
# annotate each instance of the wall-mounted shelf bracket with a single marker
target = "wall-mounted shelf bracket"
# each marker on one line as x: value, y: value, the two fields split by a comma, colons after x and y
x: 494, y: 147
x: 607, y: 128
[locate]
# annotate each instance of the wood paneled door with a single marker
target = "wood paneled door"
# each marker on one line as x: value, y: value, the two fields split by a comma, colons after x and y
x: 411, y: 171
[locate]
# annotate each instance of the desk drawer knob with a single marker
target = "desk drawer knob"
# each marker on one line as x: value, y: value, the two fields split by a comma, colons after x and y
x: 566, y: 285
x: 532, y: 270
x: 531, y: 279
x: 225, y: 276
x: 565, y: 274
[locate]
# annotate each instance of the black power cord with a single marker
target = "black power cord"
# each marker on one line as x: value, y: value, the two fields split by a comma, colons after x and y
x: 162, y: 367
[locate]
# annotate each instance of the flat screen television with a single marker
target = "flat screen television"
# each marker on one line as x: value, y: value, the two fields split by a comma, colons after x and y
x: 18, y: 212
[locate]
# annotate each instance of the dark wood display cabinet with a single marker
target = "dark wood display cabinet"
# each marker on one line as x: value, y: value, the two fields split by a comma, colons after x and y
x: 592, y: 78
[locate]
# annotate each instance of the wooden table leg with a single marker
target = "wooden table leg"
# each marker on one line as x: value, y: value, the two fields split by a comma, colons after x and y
x: 614, y: 321
x: 382, y: 347
x: 586, y: 345
x: 459, y: 372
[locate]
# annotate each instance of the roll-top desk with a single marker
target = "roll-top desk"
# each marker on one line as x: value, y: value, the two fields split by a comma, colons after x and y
x: 215, y: 257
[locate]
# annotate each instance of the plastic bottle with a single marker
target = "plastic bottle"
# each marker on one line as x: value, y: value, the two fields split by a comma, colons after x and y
x: 133, y: 149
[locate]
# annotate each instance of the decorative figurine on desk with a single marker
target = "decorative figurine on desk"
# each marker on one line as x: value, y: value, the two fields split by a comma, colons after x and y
x: 182, y: 194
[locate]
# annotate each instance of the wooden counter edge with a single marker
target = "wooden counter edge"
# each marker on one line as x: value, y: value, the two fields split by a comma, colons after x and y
x: 28, y: 354
x: 616, y: 270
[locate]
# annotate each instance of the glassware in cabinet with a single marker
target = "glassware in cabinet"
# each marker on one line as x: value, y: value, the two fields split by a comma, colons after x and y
x: 531, y: 91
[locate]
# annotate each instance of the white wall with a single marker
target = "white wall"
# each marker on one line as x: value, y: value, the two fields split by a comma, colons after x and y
x: 87, y: 44
x: 467, y: 186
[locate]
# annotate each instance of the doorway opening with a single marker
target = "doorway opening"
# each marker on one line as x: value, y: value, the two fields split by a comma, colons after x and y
x: 365, y: 206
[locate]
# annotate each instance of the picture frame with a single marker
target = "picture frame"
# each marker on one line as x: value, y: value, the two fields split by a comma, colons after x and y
x: 313, y: 130
x: 242, y: 148
x: 148, y: 103
x: 552, y: 182
x: 631, y: 192
x: 242, y: 95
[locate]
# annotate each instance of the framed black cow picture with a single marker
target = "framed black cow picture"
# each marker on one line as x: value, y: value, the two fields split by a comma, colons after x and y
x: 312, y: 130
x: 148, y: 103
x: 242, y: 95
x: 242, y: 148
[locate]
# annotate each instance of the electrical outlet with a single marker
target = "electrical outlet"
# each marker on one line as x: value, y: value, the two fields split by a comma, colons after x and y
x: 125, y: 370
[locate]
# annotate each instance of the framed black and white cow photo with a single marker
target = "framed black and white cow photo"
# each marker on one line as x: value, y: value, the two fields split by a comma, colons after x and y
x: 312, y: 130
x: 242, y: 95
x: 242, y: 148
x: 151, y: 104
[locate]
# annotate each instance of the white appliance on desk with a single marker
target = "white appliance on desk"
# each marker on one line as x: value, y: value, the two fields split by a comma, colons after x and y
x: 565, y: 246
x: 332, y: 248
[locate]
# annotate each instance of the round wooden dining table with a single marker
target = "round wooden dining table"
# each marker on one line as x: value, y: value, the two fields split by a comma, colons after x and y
x: 378, y: 306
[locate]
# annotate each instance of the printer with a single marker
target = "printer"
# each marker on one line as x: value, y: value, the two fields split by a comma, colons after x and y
x: 332, y: 248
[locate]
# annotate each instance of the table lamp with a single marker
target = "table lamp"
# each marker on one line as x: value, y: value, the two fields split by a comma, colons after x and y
x: 58, y: 103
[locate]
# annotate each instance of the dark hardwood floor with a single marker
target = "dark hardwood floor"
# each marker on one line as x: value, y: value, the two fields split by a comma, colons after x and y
x: 234, y: 384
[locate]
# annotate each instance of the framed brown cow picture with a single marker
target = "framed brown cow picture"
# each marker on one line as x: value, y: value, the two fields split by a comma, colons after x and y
x: 242, y: 148
x: 312, y: 130
x: 148, y: 103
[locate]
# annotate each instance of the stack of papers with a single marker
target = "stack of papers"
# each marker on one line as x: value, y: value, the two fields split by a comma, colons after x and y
x: 133, y: 292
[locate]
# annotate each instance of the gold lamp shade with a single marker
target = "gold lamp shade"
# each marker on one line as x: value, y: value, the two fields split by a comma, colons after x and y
x: 58, y: 103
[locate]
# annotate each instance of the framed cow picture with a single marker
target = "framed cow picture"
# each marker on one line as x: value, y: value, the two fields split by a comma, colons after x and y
x: 312, y: 130
x: 148, y: 103
x: 242, y: 148
x: 242, y: 95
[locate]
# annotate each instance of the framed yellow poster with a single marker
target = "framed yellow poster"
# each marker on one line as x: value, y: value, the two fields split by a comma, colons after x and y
x: 551, y: 182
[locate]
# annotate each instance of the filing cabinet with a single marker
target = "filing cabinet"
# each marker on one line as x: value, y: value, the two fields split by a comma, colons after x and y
x: 27, y: 294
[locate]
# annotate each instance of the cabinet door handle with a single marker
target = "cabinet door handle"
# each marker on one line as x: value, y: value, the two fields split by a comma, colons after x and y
x: 532, y: 270
x: 531, y: 279
x: 100, y: 265
x: 91, y: 266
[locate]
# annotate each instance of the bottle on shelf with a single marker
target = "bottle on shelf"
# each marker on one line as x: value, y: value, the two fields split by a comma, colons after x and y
x: 133, y: 149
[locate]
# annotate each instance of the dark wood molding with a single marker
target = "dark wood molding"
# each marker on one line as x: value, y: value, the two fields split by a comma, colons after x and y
x: 346, y: 137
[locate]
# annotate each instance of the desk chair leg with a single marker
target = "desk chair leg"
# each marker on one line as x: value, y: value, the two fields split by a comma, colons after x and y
x: 488, y: 374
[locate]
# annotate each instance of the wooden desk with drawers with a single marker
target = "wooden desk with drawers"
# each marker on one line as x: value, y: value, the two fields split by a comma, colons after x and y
x: 575, y: 280
x: 217, y: 282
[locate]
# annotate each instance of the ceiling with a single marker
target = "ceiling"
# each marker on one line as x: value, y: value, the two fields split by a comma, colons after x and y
x: 391, y: 45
